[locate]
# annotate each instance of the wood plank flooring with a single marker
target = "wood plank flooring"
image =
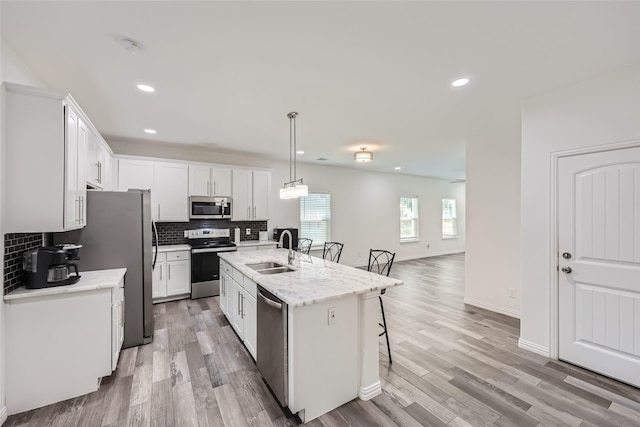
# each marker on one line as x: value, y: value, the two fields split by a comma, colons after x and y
x: 454, y: 365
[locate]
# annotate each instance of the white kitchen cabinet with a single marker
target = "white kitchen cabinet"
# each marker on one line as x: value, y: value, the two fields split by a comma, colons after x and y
x: 168, y: 183
x: 250, y: 317
x: 250, y: 191
x: 159, y: 277
x: 44, y: 160
x: 169, y: 193
x: 178, y: 277
x: 171, y: 275
x: 135, y: 175
x: 209, y: 181
x: 117, y: 323
x: 237, y: 318
x: 107, y: 172
x: 96, y: 164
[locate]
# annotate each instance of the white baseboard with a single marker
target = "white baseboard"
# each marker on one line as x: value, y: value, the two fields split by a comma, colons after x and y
x: 3, y: 415
x: 502, y: 310
x: 427, y: 255
x: 370, y: 391
x: 533, y: 347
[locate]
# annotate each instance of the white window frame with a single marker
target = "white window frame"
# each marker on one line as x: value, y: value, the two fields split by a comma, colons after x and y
x: 316, y: 244
x: 453, y: 218
x: 414, y: 218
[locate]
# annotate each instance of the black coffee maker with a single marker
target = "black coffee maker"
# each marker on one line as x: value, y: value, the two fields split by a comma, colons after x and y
x: 50, y: 266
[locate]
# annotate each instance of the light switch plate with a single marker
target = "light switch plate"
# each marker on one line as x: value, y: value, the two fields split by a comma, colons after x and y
x: 248, y: 231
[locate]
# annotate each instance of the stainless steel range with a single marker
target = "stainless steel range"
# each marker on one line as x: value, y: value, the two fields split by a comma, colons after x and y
x: 206, y: 244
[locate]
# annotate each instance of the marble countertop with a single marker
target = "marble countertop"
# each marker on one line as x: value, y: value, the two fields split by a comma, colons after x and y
x: 89, y: 281
x: 256, y: 243
x: 314, y: 279
x: 173, y: 248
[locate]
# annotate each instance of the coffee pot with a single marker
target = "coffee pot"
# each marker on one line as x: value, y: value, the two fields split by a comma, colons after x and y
x: 50, y: 266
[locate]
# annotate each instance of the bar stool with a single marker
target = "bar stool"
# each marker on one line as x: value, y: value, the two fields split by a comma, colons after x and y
x: 304, y: 245
x: 332, y: 251
x: 380, y: 262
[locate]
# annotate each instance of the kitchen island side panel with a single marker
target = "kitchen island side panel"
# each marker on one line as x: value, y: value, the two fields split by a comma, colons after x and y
x: 323, y: 357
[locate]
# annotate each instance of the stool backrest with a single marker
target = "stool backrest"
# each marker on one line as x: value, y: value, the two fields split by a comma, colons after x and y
x: 332, y: 251
x: 304, y: 245
x: 380, y: 261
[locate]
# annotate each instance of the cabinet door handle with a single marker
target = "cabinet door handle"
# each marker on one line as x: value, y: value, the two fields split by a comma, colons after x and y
x: 242, y: 306
x: 158, y: 211
x: 208, y: 188
x: 81, y: 209
x: 161, y: 272
x: 100, y: 172
x: 214, y: 189
x: 239, y: 302
x: 254, y: 212
x: 169, y: 267
x: 77, y: 203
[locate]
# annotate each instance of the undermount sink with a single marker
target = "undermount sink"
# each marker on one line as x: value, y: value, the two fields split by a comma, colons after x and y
x: 275, y: 270
x: 264, y: 265
x: 269, y: 267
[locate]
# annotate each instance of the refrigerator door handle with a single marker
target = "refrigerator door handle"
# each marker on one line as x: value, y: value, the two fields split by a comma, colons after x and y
x: 155, y: 256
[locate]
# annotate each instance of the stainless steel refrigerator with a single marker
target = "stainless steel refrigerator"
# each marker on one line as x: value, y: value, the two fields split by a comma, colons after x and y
x: 117, y: 235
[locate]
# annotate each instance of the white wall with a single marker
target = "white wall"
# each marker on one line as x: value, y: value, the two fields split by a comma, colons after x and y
x: 603, y: 110
x: 492, y: 262
x: 12, y: 69
x: 365, y: 205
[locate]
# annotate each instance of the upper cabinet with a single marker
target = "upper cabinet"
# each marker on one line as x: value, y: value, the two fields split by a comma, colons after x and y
x: 251, y: 193
x: 98, y: 162
x: 209, y: 181
x: 45, y: 168
x: 168, y: 183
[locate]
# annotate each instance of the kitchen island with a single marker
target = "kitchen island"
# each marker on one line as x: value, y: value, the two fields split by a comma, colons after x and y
x: 331, y: 330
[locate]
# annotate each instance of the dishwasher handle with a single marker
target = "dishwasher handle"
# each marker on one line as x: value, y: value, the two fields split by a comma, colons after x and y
x: 270, y: 302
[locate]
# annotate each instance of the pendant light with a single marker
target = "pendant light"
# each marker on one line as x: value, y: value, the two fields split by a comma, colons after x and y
x: 295, y: 187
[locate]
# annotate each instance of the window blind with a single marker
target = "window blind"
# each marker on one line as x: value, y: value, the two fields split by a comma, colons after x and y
x: 315, y: 217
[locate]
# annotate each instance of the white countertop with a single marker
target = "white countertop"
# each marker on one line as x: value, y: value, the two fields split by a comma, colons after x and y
x: 89, y: 281
x: 173, y: 248
x: 256, y: 243
x: 314, y: 279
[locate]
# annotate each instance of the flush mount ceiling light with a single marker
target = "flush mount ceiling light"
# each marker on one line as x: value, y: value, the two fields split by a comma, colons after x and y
x: 300, y: 152
x: 460, y: 82
x: 363, y: 156
x: 397, y: 168
x: 151, y: 131
x: 145, y: 88
x: 295, y: 187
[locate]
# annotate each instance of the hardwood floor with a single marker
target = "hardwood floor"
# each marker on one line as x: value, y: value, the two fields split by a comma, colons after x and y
x: 454, y: 365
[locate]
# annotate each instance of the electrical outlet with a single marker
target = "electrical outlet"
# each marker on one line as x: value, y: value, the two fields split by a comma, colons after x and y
x: 512, y: 292
x: 332, y: 316
x: 248, y: 231
x: 186, y: 233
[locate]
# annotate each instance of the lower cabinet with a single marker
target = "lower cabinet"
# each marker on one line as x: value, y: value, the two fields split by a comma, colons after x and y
x: 171, y: 275
x: 117, y: 324
x: 238, y: 302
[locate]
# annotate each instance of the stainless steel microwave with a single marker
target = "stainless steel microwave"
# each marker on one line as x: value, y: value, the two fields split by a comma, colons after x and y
x: 209, y: 207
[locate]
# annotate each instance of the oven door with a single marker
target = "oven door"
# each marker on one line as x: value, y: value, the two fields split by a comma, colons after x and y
x: 205, y: 272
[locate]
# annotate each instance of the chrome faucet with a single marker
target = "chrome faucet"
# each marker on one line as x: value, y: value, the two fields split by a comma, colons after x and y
x: 291, y: 255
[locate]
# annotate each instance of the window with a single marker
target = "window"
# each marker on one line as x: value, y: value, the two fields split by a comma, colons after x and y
x: 408, y: 219
x: 449, y: 219
x: 315, y: 218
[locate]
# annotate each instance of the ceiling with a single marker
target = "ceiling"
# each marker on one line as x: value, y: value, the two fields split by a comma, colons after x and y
x: 374, y: 74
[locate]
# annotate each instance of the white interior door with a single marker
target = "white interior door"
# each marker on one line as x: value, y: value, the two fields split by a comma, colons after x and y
x: 599, y: 262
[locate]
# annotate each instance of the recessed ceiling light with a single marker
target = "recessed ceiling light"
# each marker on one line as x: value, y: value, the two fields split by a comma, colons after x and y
x: 152, y: 131
x: 397, y: 168
x: 146, y: 88
x: 460, y: 82
x: 300, y: 152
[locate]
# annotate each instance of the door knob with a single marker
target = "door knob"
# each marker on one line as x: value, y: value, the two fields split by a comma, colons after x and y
x: 566, y: 270
x: 566, y: 255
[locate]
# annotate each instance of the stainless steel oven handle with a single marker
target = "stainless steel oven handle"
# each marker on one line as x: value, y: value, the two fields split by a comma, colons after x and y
x: 205, y: 250
x: 270, y: 302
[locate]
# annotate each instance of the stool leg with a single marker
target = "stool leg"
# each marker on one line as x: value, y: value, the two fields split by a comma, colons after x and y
x: 386, y: 335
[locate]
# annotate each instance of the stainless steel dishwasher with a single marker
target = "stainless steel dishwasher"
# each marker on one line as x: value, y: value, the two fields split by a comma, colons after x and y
x: 273, y: 350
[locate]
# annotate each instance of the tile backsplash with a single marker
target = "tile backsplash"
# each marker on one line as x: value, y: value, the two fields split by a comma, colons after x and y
x: 15, y: 244
x: 172, y: 233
